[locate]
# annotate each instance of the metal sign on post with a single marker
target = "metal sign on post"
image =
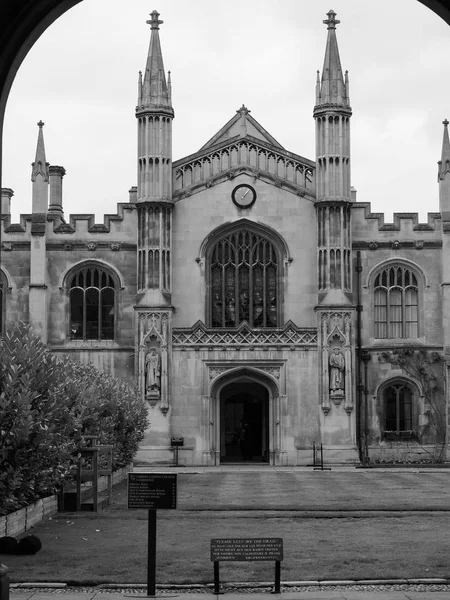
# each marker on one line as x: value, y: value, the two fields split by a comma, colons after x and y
x: 247, y: 549
x: 152, y: 491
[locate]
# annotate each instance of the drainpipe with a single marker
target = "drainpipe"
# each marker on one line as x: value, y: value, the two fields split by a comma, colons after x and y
x: 365, y: 357
x: 359, y: 383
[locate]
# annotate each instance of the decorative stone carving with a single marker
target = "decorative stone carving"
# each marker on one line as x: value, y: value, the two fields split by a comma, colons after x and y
x: 91, y: 246
x: 154, y: 358
x: 115, y: 246
x: 337, y: 367
x: 7, y: 246
x: 68, y: 246
x: 373, y: 245
x: 215, y: 371
x: 418, y: 244
x: 396, y: 245
x: 336, y: 356
x: 244, y: 337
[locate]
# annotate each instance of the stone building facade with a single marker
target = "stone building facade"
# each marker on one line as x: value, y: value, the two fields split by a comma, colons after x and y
x: 255, y: 302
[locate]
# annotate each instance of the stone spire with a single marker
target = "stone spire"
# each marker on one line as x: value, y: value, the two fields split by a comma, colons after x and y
x: 332, y: 114
x: 444, y: 163
x: 444, y: 175
x: 40, y: 165
x: 154, y: 186
x: 154, y: 91
x: 40, y: 175
x: 332, y: 89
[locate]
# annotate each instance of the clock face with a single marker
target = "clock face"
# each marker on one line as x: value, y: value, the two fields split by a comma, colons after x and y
x: 243, y: 196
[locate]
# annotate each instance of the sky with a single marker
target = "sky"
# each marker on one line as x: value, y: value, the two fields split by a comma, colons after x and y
x: 80, y: 78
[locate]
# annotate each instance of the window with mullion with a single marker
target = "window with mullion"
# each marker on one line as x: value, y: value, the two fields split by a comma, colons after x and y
x: 396, y: 311
x: 243, y: 281
x: 92, y: 305
x: 398, y: 408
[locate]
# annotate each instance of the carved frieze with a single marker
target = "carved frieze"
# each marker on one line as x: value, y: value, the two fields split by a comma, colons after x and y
x: 7, y: 246
x: 244, y: 337
x: 91, y: 246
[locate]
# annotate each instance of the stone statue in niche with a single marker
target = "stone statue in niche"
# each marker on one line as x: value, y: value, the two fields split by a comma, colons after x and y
x: 337, y: 368
x: 153, y: 371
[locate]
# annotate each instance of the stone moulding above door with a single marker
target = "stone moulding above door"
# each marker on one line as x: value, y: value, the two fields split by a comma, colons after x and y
x: 245, y: 337
x: 272, y: 371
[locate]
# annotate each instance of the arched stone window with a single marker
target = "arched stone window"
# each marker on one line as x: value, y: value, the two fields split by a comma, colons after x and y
x: 92, y: 292
x: 244, y: 280
x: 399, y: 410
x: 396, y: 303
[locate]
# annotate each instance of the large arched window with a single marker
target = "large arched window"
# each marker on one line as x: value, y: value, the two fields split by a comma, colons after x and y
x: 92, y: 304
x: 396, y: 303
x: 244, y: 274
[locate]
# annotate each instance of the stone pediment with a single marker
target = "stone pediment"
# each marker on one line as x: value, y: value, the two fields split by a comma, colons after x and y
x: 244, y: 337
x: 241, y: 125
x: 239, y: 155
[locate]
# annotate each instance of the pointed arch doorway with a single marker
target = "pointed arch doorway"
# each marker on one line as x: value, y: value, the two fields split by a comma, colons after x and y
x: 244, y: 423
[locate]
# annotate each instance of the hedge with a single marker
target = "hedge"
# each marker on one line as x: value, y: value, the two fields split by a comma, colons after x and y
x: 46, y: 405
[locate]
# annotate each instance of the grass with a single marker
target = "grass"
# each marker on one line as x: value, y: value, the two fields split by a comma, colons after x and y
x: 319, y: 542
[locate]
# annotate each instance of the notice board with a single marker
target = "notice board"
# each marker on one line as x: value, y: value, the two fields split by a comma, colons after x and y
x: 152, y: 490
x: 243, y: 549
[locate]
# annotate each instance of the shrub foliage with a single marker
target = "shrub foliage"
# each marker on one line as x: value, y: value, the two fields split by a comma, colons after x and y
x: 46, y: 405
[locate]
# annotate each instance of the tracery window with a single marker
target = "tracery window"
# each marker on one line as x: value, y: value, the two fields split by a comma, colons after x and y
x: 92, y: 304
x: 396, y: 303
x: 398, y: 409
x: 244, y: 270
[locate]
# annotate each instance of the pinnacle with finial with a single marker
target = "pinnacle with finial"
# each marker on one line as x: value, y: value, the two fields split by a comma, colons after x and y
x: 154, y: 22
x: 243, y: 110
x: 41, y: 124
x: 445, y: 122
x: 331, y: 22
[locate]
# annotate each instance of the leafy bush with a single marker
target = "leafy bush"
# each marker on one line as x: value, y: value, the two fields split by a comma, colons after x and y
x: 46, y: 405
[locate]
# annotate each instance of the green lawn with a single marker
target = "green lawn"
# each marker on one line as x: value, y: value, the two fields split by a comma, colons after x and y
x: 381, y: 537
x: 111, y: 550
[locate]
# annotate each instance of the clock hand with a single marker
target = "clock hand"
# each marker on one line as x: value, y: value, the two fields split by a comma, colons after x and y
x: 245, y: 193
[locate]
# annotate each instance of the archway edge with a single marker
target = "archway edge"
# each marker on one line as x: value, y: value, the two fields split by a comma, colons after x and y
x: 244, y: 373
x: 23, y: 23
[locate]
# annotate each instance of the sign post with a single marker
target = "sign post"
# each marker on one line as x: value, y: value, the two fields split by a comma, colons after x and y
x: 247, y: 549
x: 152, y: 491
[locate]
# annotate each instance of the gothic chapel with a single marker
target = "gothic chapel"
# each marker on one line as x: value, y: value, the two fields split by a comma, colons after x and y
x: 245, y: 289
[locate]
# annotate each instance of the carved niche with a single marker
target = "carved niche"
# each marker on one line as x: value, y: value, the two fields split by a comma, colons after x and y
x: 154, y: 358
x: 336, y: 359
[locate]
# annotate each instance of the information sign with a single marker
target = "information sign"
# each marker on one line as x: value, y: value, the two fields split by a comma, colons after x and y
x: 244, y: 549
x: 177, y: 441
x: 152, y: 490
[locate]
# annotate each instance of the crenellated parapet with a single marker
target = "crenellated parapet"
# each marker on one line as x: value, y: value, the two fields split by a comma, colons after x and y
x: 367, y: 223
x: 279, y: 167
x: 77, y: 224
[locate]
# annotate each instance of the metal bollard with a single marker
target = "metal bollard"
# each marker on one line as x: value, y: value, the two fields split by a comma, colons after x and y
x: 4, y: 582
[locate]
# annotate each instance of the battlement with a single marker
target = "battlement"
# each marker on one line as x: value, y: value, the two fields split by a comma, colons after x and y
x: 77, y: 224
x: 362, y: 215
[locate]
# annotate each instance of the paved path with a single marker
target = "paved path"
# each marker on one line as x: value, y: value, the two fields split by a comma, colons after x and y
x: 304, y: 489
x: 320, y: 594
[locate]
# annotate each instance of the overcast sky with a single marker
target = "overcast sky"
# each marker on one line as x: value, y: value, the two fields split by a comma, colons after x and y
x: 80, y: 78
